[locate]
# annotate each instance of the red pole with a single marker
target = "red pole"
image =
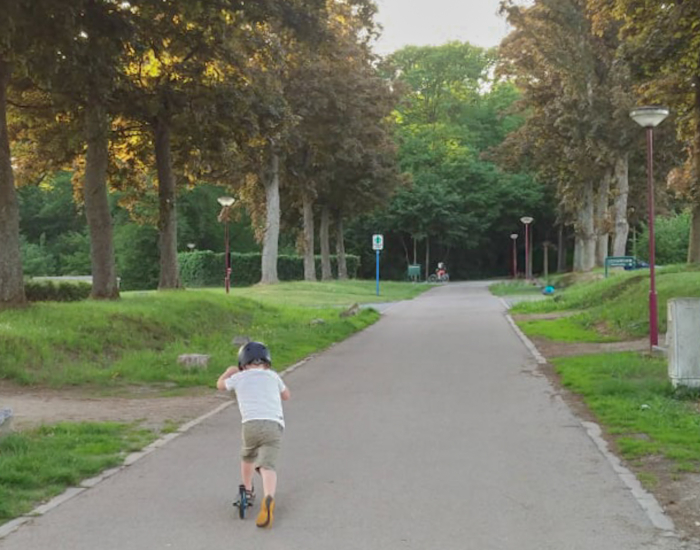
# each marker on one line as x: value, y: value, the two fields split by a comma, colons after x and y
x: 527, y: 251
x: 653, y: 305
x: 227, y: 278
x: 515, y: 259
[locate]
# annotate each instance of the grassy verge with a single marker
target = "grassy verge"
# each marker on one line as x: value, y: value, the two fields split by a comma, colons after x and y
x: 137, y: 340
x: 631, y: 396
x: 42, y: 463
x: 514, y: 288
x: 566, y: 329
x: 618, y: 306
x: 332, y: 293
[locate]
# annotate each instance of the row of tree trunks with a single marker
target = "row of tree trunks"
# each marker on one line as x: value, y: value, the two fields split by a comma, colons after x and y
x: 340, y: 249
x: 694, y: 246
x: 593, y: 223
x: 602, y: 221
x: 308, y: 243
x: 324, y: 238
x: 104, y: 273
x: 11, y: 277
x: 622, y: 192
x: 585, y: 236
x: 167, y: 219
x: 272, y: 221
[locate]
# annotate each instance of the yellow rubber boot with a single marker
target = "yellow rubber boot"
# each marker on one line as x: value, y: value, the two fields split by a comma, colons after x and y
x: 266, y: 515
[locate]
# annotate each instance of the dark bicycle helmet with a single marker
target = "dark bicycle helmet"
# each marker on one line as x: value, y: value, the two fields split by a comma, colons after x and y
x: 253, y: 352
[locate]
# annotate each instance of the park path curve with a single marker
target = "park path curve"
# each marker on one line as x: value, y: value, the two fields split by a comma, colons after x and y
x: 431, y: 429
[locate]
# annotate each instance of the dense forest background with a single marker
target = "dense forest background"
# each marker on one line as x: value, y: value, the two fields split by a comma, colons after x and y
x: 122, y: 125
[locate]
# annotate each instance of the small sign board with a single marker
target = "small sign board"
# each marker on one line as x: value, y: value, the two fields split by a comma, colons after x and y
x: 377, y: 242
x: 619, y: 261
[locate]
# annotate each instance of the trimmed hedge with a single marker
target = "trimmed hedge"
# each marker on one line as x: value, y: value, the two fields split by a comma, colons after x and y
x: 204, y: 268
x: 52, y: 291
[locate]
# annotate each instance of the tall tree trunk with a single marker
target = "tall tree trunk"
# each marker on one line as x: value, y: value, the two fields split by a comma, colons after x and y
x: 427, y: 258
x: 104, y: 273
x: 585, y: 231
x: 11, y: 276
x: 167, y: 218
x: 561, y: 250
x: 324, y: 237
x: 309, y: 260
x: 694, y: 246
x: 271, y: 237
x: 340, y: 249
x: 622, y: 192
x: 602, y: 222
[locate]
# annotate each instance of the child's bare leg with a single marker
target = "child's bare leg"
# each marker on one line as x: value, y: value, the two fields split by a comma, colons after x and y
x: 269, y: 479
x: 247, y: 470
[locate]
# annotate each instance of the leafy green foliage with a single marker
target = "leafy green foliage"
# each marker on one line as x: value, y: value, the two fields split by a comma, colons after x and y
x: 632, y: 396
x: 458, y: 204
x: 672, y: 236
x: 38, y: 464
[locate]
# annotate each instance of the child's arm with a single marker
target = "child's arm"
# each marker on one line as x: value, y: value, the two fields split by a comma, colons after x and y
x: 221, y: 382
x: 285, y: 394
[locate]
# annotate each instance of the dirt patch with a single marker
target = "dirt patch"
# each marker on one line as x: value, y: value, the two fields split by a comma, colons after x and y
x: 544, y: 316
x: 153, y: 408
x: 678, y: 493
x: 550, y: 349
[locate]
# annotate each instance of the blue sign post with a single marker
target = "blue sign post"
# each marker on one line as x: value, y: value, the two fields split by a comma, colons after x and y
x: 378, y: 246
x: 377, y: 272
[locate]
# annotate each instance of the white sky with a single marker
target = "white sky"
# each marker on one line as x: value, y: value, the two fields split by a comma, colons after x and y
x: 434, y: 22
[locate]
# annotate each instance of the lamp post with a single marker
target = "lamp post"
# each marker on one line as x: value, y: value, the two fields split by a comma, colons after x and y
x: 514, y: 237
x: 226, y: 203
x: 649, y: 118
x: 191, y: 246
x: 527, y: 220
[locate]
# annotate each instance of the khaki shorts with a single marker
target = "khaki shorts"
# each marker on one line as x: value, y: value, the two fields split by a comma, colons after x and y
x: 261, y: 443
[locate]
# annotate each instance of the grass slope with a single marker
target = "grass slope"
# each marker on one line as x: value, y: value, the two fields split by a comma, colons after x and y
x: 137, y: 339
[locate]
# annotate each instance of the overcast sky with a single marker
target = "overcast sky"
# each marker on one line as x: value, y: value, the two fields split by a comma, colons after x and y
x: 434, y: 22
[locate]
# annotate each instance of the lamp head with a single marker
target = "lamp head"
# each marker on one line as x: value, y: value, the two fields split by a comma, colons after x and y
x: 226, y: 201
x: 527, y: 220
x: 513, y: 236
x: 649, y: 117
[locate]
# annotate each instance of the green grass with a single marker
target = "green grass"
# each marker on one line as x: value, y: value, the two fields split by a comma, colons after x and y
x: 514, y: 288
x: 565, y: 329
x: 632, y: 397
x: 137, y: 340
x: 332, y: 293
x: 620, y: 303
x: 39, y: 464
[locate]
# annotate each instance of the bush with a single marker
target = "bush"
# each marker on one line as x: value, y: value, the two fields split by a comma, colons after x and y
x: 672, y: 238
x: 206, y: 268
x: 56, y: 291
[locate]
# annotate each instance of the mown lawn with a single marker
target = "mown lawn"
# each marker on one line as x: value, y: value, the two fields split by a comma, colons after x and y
x: 631, y: 396
x: 39, y: 464
x: 137, y: 339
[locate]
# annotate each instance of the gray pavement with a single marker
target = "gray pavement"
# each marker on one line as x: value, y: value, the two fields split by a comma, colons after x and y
x: 431, y: 429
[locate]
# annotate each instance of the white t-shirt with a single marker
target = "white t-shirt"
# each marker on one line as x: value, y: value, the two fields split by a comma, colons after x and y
x: 258, y: 394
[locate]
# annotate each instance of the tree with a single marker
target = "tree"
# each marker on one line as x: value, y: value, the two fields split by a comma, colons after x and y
x: 661, y: 41
x: 576, y: 94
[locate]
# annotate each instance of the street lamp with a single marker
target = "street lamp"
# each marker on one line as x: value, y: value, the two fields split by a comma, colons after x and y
x: 191, y: 246
x: 649, y: 118
x: 514, y: 236
x: 226, y: 203
x: 527, y: 220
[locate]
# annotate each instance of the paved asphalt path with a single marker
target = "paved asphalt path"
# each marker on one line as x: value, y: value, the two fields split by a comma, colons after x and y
x: 430, y: 430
